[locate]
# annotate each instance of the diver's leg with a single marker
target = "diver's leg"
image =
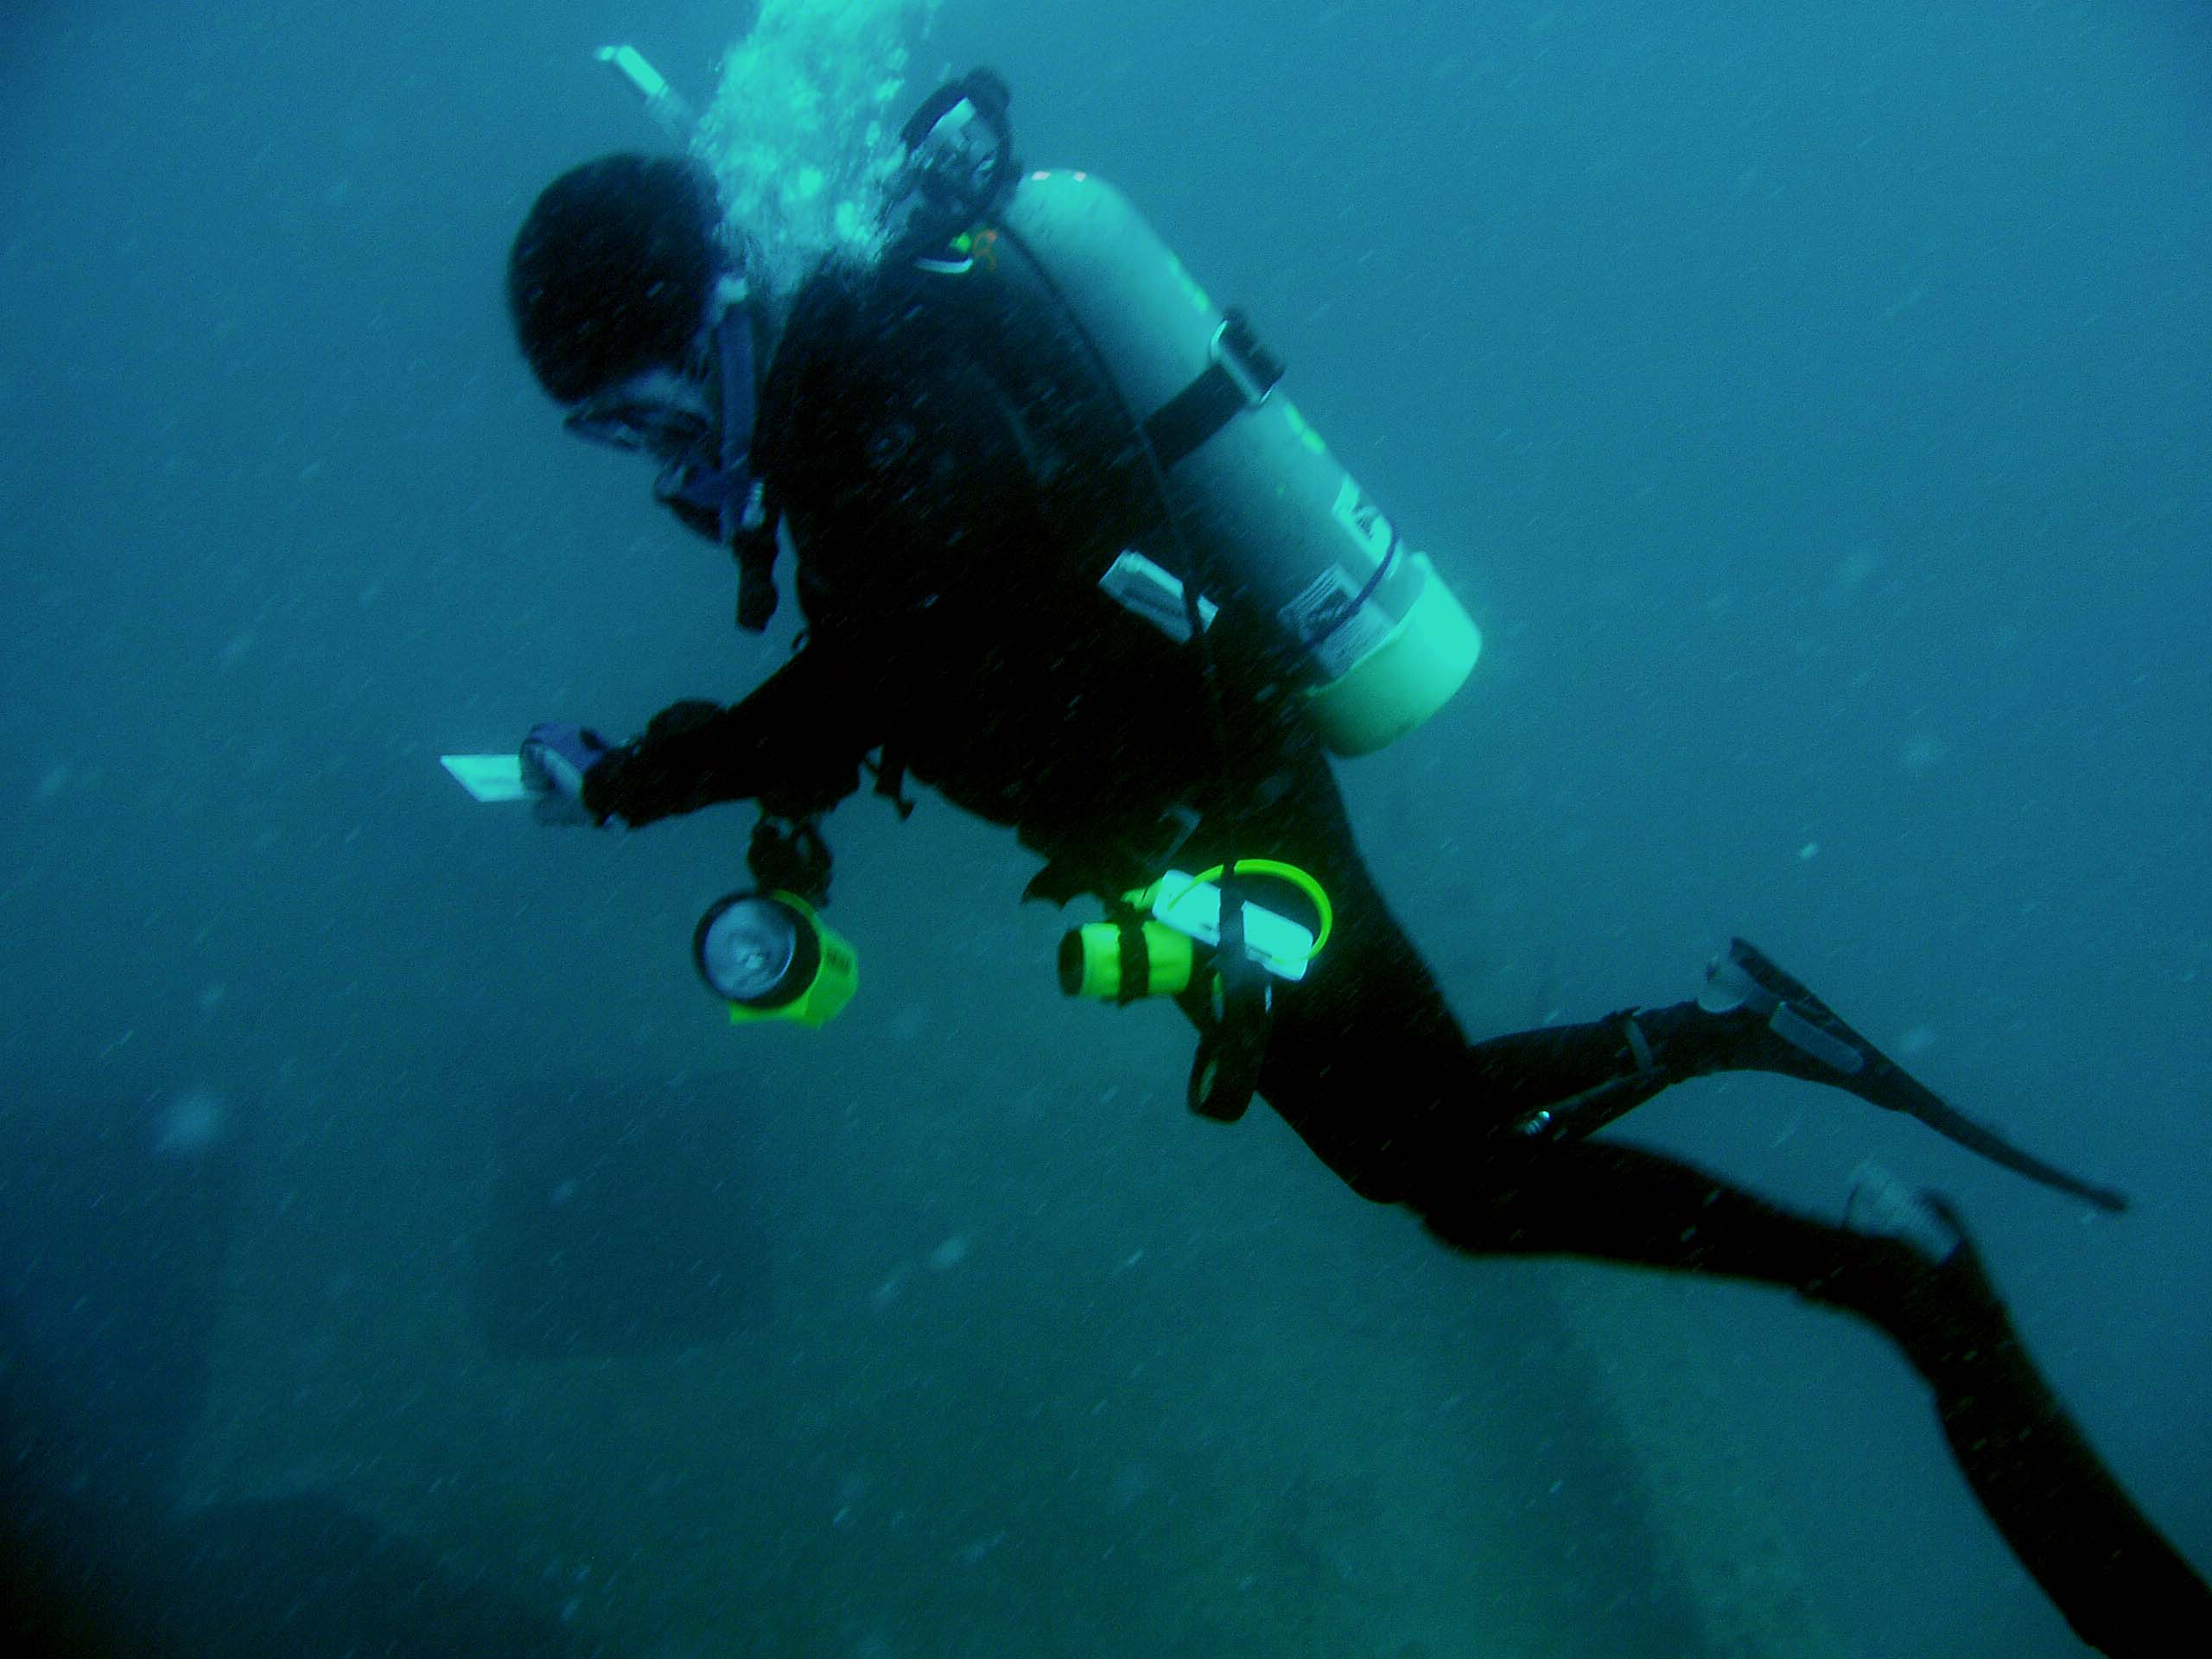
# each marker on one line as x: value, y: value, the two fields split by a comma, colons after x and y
x: 1914, y: 1273
x: 1364, y: 1058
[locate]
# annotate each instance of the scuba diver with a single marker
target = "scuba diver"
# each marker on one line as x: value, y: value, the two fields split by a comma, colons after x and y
x: 1065, y: 558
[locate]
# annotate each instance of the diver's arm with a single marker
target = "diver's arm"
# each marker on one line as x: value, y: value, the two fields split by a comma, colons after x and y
x: 796, y: 742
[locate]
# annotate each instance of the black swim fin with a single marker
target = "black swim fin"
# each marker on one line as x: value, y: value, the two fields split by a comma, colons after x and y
x: 1816, y: 1046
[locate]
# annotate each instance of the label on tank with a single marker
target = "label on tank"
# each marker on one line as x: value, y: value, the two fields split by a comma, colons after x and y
x: 1326, y: 618
x: 1362, y: 520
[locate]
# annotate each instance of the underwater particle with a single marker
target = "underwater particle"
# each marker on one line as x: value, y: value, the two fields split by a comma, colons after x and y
x: 1923, y: 752
x: 1808, y: 852
x: 190, y: 1122
x: 951, y: 1254
x: 1133, y: 1483
x: 56, y: 780
x: 1856, y: 570
x: 1917, y: 1041
x: 977, y: 1552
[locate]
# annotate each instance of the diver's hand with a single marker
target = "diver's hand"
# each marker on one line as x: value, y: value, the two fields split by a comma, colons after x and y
x: 555, y: 759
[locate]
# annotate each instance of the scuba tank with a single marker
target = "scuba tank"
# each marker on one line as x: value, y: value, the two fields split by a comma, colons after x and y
x: 1267, y: 518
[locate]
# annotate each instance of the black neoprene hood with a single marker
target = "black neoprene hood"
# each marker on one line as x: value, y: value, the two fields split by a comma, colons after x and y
x: 611, y: 272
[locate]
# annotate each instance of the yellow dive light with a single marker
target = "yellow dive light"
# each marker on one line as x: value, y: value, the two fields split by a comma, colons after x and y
x: 1151, y: 950
x: 1122, y: 961
x: 770, y: 957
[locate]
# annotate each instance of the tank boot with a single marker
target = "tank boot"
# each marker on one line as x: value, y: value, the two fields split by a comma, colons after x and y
x: 1792, y: 1032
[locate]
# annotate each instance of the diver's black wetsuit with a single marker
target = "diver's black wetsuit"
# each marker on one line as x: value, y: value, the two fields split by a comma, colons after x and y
x: 945, y: 488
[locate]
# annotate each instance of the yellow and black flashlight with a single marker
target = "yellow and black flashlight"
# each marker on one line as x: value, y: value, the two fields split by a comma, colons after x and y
x: 769, y: 956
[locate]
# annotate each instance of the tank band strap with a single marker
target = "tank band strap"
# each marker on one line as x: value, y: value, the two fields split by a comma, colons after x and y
x: 1185, y: 421
x: 1135, y: 961
x: 1240, y: 376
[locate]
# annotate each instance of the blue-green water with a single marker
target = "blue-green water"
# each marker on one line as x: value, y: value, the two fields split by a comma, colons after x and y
x: 396, y: 1243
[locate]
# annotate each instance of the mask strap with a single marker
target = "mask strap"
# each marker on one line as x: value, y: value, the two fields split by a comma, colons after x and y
x: 724, y: 485
x: 747, y: 530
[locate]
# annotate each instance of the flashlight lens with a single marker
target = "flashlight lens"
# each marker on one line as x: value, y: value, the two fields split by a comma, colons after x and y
x: 746, y: 952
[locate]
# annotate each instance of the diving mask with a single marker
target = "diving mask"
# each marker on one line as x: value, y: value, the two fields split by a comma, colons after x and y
x: 658, y: 413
